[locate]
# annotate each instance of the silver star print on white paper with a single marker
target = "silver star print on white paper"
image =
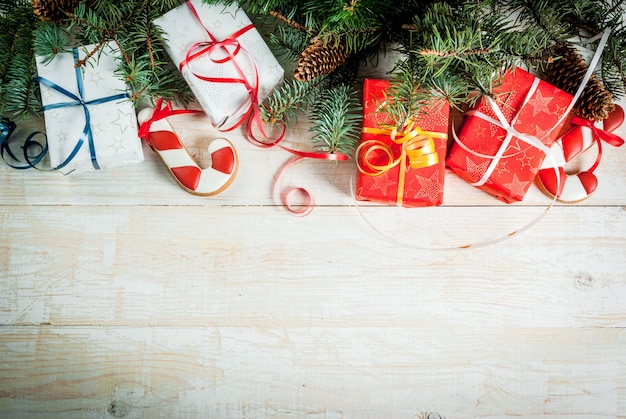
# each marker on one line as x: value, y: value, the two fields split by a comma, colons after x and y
x: 47, y: 95
x: 231, y: 11
x: 95, y: 78
x: 117, y: 144
x: 122, y: 121
x: 96, y: 129
x: 62, y: 147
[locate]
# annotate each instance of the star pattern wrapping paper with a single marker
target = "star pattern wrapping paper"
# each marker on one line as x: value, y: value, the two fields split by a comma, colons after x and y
x: 423, y: 186
x: 112, y: 123
x: 224, y: 103
x: 540, y: 115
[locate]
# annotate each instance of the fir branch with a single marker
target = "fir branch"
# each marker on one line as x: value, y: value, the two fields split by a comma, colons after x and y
x: 49, y: 40
x: 19, y: 96
x: 457, y: 54
x: 18, y: 88
x: 287, y: 42
x: 99, y: 31
x: 290, y: 101
x: 290, y: 22
x: 336, y: 120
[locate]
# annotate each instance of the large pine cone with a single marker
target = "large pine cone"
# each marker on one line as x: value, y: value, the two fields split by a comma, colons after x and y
x: 566, y: 73
x: 53, y: 10
x: 319, y: 58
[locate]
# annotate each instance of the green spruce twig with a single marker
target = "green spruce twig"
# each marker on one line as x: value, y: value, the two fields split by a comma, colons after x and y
x: 336, y: 119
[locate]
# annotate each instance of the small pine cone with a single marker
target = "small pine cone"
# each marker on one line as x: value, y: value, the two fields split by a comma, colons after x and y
x: 319, y: 58
x: 596, y: 102
x: 53, y: 10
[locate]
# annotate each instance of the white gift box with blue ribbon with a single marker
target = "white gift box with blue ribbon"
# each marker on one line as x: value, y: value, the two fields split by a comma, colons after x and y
x: 90, y: 120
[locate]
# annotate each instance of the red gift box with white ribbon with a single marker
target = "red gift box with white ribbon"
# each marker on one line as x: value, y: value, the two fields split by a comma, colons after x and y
x: 505, y: 138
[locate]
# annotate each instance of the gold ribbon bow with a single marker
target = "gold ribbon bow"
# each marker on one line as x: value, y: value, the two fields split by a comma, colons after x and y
x: 417, y: 148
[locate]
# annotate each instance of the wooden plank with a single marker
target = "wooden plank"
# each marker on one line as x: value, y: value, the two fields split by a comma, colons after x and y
x: 170, y: 265
x: 313, y: 372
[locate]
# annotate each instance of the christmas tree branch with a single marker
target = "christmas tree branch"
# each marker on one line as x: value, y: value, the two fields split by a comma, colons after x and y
x: 18, y: 91
x: 446, y: 54
x: 336, y: 119
x: 290, y: 22
x: 288, y: 102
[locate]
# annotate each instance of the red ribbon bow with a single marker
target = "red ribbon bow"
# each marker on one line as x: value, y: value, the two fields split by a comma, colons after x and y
x: 229, y: 48
x: 599, y: 136
x: 607, y: 136
x: 161, y: 112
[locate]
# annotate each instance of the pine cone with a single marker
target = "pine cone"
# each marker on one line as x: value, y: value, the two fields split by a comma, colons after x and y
x: 566, y: 73
x: 53, y: 10
x: 319, y: 58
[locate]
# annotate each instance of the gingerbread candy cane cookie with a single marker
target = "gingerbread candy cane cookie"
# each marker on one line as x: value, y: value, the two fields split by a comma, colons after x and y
x: 576, y: 187
x: 160, y: 136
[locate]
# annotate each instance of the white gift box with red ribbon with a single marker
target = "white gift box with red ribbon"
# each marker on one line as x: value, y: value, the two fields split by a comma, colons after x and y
x: 223, y: 58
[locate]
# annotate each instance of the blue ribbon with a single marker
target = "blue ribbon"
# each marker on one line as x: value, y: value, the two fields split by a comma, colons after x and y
x: 6, y: 129
x: 79, y: 101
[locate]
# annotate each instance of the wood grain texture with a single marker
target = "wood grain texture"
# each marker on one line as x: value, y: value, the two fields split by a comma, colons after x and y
x: 178, y: 265
x: 123, y: 296
x: 313, y: 372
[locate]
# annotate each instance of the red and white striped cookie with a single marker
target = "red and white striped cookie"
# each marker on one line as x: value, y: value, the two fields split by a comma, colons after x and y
x: 576, y: 187
x: 568, y: 188
x: 187, y: 173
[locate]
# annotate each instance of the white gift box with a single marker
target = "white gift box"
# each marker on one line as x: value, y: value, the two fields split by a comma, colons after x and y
x: 227, y: 28
x: 90, y: 121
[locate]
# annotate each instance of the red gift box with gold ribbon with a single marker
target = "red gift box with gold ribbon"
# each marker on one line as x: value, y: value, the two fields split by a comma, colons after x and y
x: 504, y: 139
x: 406, y: 166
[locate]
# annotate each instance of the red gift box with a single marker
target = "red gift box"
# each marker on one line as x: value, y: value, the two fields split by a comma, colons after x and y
x: 504, y: 140
x: 401, y: 167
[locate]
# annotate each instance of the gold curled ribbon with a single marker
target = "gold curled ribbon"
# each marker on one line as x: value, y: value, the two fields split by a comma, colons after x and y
x: 417, y: 148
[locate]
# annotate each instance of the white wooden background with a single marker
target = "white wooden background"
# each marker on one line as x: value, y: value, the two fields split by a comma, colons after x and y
x: 124, y: 296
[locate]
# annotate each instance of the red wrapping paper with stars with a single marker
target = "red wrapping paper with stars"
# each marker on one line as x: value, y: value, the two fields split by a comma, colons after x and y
x: 422, y: 186
x: 533, y: 108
